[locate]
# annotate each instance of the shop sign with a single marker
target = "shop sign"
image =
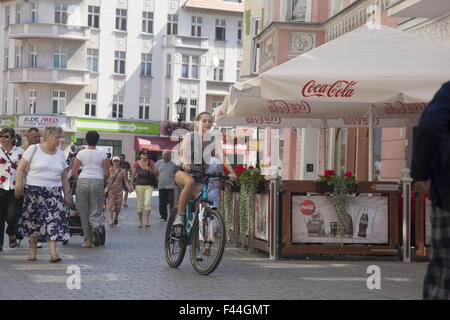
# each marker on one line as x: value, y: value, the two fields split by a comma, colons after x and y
x: 117, y: 126
x: 314, y: 220
x: 384, y: 187
x: 73, y: 138
x: 261, y: 216
x: 7, y: 122
x: 41, y: 121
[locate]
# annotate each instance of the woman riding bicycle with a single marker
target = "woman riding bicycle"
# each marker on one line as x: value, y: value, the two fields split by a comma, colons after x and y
x: 195, y: 154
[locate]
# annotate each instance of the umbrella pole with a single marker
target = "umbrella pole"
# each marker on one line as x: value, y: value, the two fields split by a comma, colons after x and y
x: 324, y: 144
x: 370, y: 164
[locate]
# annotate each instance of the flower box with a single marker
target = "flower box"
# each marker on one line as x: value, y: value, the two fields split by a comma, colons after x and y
x: 351, y: 188
x: 325, y: 187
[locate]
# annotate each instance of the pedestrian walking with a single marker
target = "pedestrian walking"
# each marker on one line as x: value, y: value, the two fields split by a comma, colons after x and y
x: 166, y: 183
x: 431, y: 168
x: 144, y: 173
x: 127, y: 167
x: 33, y: 137
x: 10, y: 156
x: 43, y: 212
x: 90, y: 188
x: 117, y: 180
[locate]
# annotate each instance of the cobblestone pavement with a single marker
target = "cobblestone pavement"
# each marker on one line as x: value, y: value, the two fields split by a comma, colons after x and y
x: 132, y: 266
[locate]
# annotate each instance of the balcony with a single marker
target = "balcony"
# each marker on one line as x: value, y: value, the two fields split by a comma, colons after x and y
x: 419, y: 8
x: 49, y: 31
x: 218, y: 88
x: 187, y: 42
x: 53, y: 76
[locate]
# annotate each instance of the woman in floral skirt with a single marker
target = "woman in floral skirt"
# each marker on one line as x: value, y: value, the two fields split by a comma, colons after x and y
x: 43, y: 214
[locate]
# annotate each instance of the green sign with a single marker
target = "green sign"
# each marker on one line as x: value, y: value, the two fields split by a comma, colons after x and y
x: 7, y: 122
x: 73, y: 138
x: 117, y: 126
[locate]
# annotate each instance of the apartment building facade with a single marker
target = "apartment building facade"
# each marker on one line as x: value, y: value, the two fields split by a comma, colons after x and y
x: 116, y: 66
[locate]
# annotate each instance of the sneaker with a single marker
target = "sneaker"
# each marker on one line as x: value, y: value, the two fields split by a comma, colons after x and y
x: 179, y: 220
x: 162, y: 220
x: 39, y: 245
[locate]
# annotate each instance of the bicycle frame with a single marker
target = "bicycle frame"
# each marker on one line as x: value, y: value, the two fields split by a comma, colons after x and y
x: 203, y: 195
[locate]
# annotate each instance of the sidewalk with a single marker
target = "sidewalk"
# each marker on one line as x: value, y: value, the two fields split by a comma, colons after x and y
x: 131, y: 265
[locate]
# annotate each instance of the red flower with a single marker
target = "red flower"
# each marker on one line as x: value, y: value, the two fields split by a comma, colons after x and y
x: 2, y: 161
x: 348, y: 174
x: 225, y: 171
x: 329, y: 173
x: 19, y: 156
x: 2, y: 179
x: 251, y: 167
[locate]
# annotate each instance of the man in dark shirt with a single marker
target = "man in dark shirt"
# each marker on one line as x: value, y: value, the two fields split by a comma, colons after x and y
x: 431, y: 168
x: 127, y: 167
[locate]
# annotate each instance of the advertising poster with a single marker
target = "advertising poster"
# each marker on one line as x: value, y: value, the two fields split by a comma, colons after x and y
x: 314, y: 220
x: 261, y: 216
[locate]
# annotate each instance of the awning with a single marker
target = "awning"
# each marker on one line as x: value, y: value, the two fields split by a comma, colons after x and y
x: 154, y: 143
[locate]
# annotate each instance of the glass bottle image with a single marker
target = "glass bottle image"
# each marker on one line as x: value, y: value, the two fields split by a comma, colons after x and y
x: 348, y: 230
x: 363, y: 222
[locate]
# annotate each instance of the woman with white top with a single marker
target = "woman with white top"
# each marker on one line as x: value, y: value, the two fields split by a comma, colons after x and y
x: 90, y: 188
x: 43, y: 213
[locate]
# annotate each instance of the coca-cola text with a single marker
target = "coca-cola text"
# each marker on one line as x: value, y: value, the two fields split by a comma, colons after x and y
x: 339, y: 89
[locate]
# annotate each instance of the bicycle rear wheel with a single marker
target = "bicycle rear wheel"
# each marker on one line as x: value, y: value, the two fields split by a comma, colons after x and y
x: 175, y: 241
x: 206, y: 254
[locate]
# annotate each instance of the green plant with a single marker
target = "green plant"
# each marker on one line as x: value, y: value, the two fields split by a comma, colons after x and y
x: 339, y: 198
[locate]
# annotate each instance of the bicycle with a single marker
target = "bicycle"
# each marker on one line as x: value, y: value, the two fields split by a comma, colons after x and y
x: 204, y: 230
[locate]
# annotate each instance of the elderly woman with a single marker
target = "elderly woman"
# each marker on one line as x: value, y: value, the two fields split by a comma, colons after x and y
x: 43, y: 214
x: 90, y: 189
x: 144, y: 171
x: 9, y: 160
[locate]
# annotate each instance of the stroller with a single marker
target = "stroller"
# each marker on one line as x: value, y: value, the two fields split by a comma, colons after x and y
x: 73, y: 217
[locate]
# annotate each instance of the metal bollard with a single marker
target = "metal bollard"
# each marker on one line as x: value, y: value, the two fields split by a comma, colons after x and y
x: 275, y: 244
x: 406, y: 189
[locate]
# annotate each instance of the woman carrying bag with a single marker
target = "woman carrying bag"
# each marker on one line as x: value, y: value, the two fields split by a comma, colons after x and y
x: 145, y: 172
x: 10, y: 156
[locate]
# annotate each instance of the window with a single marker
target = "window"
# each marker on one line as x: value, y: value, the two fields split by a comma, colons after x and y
x: 146, y: 65
x: 7, y: 17
x: 61, y: 13
x: 144, y: 108
x: 239, y: 31
x: 196, y: 27
x: 167, y: 109
x: 238, y: 71
x: 192, y: 64
x: 16, y: 103
x: 92, y: 60
x: 220, y: 29
x: 185, y: 67
x: 194, y: 67
x: 117, y: 110
x: 59, y: 101
x: 218, y: 72
x: 121, y: 19
x: 90, y: 104
x: 6, y: 66
x: 5, y: 103
x: 119, y: 62
x: 34, y: 9
x: 32, y: 96
x: 60, y: 57
x: 18, y: 12
x: 17, y: 59
x: 32, y: 57
x: 193, y: 110
x: 172, y: 24
x: 94, y: 17
x: 299, y: 8
x: 336, y: 6
x: 147, y: 22
x: 169, y: 66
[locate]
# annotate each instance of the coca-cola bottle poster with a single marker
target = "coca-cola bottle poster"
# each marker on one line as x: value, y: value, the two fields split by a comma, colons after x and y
x: 314, y: 220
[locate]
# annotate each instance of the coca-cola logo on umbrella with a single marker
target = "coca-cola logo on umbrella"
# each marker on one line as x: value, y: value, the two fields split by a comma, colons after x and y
x: 339, y: 89
x: 307, y: 207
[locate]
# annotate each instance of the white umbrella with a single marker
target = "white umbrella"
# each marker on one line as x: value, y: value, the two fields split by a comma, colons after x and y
x: 381, y: 70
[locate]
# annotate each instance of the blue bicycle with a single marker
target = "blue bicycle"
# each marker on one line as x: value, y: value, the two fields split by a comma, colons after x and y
x: 204, y: 230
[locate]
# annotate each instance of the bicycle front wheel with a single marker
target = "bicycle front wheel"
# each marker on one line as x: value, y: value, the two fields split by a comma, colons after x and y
x: 175, y: 241
x: 207, y: 253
